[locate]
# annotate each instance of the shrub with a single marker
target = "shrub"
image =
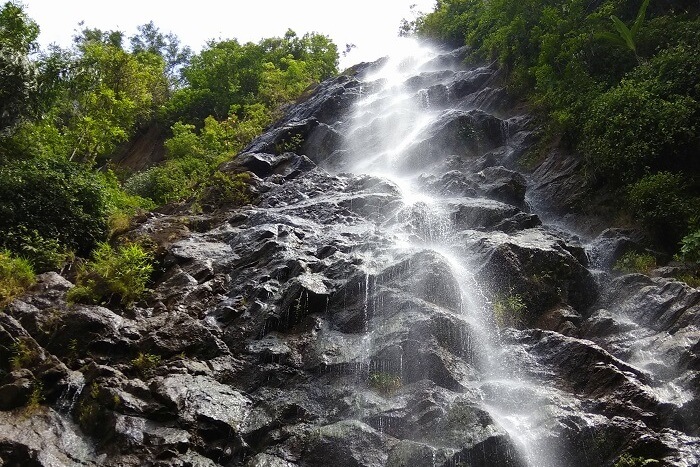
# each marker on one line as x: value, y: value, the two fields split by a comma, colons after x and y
x: 43, y: 254
x: 222, y: 190
x: 16, y: 275
x: 660, y: 201
x: 173, y: 181
x: 632, y: 130
x: 635, y: 262
x: 57, y: 200
x: 509, y: 311
x: 113, y: 276
x: 690, y: 247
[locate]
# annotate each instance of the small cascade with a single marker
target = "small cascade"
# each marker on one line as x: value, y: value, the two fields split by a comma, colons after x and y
x: 69, y: 397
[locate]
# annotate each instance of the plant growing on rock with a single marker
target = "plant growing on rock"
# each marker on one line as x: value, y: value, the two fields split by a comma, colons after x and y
x: 16, y: 275
x: 385, y: 383
x: 114, y: 275
x: 632, y: 262
x: 23, y: 355
x: 226, y: 190
x: 627, y: 460
x: 35, y: 398
x: 509, y: 311
x: 145, y: 363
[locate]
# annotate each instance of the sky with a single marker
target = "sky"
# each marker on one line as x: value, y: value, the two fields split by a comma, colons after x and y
x: 371, y: 25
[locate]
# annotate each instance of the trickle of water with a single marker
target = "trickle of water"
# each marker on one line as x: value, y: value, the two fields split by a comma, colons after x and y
x: 70, y: 395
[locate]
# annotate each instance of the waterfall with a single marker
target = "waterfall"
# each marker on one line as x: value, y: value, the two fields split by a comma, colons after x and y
x: 388, y: 136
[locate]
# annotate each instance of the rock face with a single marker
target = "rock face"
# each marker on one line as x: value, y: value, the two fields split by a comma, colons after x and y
x: 391, y: 300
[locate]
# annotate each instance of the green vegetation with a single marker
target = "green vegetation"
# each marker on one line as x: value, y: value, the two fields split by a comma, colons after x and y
x: 627, y: 460
x: 223, y: 189
x: 509, y: 311
x: 385, y: 383
x: 626, y: 37
x: 618, y: 82
x: 66, y: 113
x: 145, y: 364
x: 635, y: 262
x: 690, y: 246
x: 23, y: 355
x: 35, y: 398
x: 114, y: 275
x: 16, y: 275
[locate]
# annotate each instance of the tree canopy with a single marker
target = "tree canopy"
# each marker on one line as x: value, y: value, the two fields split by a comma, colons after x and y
x: 65, y: 112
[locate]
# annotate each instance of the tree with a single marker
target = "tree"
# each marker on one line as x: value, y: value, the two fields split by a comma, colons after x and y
x: 18, y: 36
x: 151, y: 40
x: 228, y: 75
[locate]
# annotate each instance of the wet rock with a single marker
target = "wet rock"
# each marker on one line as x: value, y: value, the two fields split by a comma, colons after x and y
x: 95, y: 330
x: 610, y: 245
x: 503, y: 185
x: 412, y: 453
x: 16, y: 388
x: 494, y: 450
x: 287, y: 165
x: 482, y: 214
x: 564, y: 320
x: 352, y: 443
x: 180, y: 334
x: 539, y: 267
x: 267, y: 460
x: 305, y: 295
x: 471, y: 81
x: 44, y: 439
x: 457, y: 132
x: 202, y: 401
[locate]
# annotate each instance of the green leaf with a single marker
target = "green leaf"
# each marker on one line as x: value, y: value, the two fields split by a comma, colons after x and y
x: 624, y: 32
x: 614, y: 38
x: 640, y: 18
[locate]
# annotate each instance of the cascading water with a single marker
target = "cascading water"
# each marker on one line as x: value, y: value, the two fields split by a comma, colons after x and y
x: 384, y: 135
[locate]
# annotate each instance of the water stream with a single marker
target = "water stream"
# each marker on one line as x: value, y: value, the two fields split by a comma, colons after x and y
x: 384, y: 137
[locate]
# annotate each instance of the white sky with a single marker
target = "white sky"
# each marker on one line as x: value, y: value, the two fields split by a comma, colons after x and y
x: 372, y: 25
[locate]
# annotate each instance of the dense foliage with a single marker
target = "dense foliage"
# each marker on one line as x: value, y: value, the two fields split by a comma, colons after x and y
x: 618, y: 81
x: 66, y: 112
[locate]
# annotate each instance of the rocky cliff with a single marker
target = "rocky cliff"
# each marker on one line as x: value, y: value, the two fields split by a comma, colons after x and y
x: 393, y: 297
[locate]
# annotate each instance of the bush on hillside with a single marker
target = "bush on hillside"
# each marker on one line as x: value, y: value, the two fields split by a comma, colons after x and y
x: 50, y: 206
x: 16, y: 275
x: 117, y: 276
